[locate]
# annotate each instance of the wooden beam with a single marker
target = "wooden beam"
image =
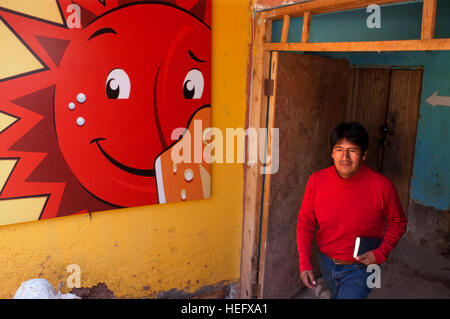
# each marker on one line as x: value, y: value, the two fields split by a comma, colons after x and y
x: 253, y: 178
x: 371, y: 46
x: 268, y: 36
x: 285, y: 31
x: 306, y: 25
x: 428, y: 19
x: 322, y: 6
x: 266, y: 200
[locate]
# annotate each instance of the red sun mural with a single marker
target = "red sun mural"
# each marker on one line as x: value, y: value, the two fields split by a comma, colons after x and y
x: 94, y: 123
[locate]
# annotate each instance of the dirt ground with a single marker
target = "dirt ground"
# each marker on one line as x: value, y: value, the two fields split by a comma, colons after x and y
x: 411, y: 272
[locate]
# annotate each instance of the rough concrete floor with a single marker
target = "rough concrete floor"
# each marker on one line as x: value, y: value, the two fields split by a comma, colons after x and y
x: 411, y: 272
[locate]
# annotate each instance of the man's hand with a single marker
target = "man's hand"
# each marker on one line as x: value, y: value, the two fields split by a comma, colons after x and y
x: 367, y: 258
x: 308, y: 279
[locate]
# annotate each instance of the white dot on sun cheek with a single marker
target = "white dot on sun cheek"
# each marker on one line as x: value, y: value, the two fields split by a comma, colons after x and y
x: 71, y: 106
x: 188, y: 175
x: 81, y: 97
x: 81, y: 121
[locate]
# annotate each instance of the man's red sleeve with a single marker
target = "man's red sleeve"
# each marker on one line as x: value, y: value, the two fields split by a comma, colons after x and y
x: 396, y: 223
x: 306, y: 226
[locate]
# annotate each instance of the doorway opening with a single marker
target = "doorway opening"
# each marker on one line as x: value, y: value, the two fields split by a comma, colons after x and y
x: 312, y: 94
x: 256, y: 207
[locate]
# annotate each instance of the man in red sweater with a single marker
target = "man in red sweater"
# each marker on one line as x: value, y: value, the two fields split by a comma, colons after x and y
x: 347, y: 200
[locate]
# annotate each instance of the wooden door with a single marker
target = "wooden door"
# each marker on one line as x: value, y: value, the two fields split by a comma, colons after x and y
x: 401, y: 120
x: 309, y: 99
x: 367, y: 103
x: 386, y: 102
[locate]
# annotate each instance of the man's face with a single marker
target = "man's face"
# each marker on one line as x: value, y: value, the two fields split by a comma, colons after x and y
x: 347, y: 158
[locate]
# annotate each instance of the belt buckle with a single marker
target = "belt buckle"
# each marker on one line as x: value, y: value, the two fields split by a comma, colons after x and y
x: 342, y: 262
x: 336, y: 262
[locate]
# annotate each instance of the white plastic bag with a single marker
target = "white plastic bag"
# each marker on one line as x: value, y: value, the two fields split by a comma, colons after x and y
x: 40, y: 289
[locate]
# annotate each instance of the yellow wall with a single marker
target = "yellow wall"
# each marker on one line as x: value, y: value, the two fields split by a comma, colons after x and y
x: 142, y: 251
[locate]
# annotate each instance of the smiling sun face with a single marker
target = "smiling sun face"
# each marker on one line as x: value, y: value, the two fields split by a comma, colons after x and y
x: 123, y: 88
x: 94, y: 119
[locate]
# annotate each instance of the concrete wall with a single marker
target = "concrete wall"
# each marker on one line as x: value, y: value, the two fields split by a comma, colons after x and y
x: 430, y: 184
x: 174, y: 250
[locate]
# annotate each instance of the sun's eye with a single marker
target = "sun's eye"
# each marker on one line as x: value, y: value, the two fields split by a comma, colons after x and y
x: 118, y: 85
x: 193, y: 85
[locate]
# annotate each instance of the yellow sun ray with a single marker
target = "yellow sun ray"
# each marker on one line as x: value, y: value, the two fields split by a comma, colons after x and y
x: 21, y: 210
x: 6, y: 121
x: 16, y: 59
x: 44, y: 9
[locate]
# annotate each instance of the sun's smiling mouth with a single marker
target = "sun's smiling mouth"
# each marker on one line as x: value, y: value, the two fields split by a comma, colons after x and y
x: 128, y: 169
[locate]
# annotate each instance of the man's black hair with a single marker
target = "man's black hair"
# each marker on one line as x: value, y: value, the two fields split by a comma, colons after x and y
x: 353, y: 132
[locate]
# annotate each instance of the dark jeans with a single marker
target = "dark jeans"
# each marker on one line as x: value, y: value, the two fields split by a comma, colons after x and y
x: 344, y: 281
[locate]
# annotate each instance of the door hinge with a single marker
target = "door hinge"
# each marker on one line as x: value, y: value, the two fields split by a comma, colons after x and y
x: 268, y: 87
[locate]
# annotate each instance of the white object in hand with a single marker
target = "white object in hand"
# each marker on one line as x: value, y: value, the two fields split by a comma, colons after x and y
x: 355, y: 252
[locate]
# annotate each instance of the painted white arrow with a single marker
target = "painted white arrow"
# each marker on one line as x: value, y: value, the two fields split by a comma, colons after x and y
x: 438, y: 100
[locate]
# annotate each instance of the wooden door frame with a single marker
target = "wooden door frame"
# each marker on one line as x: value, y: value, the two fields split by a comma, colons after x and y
x: 254, y: 230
